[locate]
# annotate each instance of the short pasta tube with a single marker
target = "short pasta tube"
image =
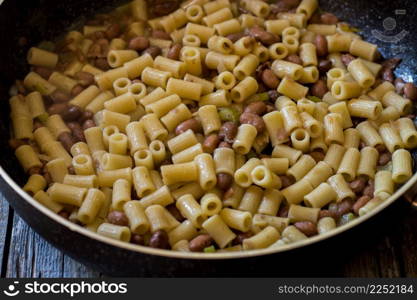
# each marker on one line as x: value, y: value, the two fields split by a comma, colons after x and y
x: 206, y: 169
x: 160, y: 219
x: 320, y: 196
x: 184, y: 172
x: 91, y: 206
x: 219, y: 231
x: 263, y: 177
x: 402, y: 169
x: 135, y: 213
x: 349, y: 164
x: 67, y: 194
x: 341, y: 187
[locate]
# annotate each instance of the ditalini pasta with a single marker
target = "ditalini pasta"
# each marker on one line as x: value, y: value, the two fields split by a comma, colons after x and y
x: 221, y: 126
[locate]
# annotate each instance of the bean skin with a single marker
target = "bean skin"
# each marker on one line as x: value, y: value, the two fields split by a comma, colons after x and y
x: 89, y: 124
x: 210, y: 143
x: 45, y: 73
x: 344, y: 207
x: 240, y: 237
x: 199, y: 243
x: 192, y: 124
x: 257, y: 108
x: 410, y: 91
x: 224, y: 181
x: 85, y: 78
x: 295, y: 59
x: 324, y: 65
x: 319, y: 89
x: 254, y: 120
x: 102, y: 64
x: 329, y: 19
x: 307, y: 227
x: 77, y: 131
x: 160, y: 240
x: 66, y: 140
x: 118, y: 218
x: 15, y: 143
x: 269, y: 79
x: 153, y: 51
x: 234, y: 37
x: 160, y: 34
x: 360, y: 203
x: 76, y: 90
x: 174, y: 211
x: 138, y: 43
x: 60, y: 97
x: 321, y: 45
x: 174, y: 52
x: 286, y: 181
x: 137, y: 239
x: 347, y: 59
x: 358, y: 185
x: 225, y: 145
x: 399, y: 85
x: 113, y: 31
x: 317, y: 156
x: 263, y: 36
x: 384, y: 158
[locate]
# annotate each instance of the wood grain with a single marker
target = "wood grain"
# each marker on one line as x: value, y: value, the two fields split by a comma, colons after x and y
x: 4, y: 215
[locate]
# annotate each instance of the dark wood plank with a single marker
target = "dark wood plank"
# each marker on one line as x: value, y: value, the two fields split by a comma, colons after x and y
x: 4, y: 216
x: 74, y: 269
x: 31, y: 256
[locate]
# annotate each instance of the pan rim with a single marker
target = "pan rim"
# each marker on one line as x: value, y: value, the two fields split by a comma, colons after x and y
x: 202, y: 256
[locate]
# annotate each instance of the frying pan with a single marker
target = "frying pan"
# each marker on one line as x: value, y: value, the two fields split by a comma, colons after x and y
x: 390, y: 24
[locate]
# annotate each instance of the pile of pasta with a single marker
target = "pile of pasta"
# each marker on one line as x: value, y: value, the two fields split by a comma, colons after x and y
x: 134, y: 163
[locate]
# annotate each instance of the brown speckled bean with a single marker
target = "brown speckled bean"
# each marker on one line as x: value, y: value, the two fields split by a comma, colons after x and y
x: 240, y: 237
x: 174, y: 52
x: 347, y: 59
x: 88, y: 124
x: 307, y: 227
x: 360, y: 203
x: 66, y: 140
x: 137, y: 239
x: 160, y: 240
x: 160, y: 34
x: 295, y: 59
x: 329, y: 19
x: 358, y: 185
x: 60, y: 97
x: 118, y: 218
x: 319, y: 89
x: 257, y: 108
x: 269, y: 79
x: 192, y: 124
x: 410, y: 91
x: 210, y: 143
x: 154, y: 51
x: 325, y: 65
x: 254, y: 120
x: 199, y: 243
x: 321, y: 45
x: 138, y: 43
x: 224, y: 181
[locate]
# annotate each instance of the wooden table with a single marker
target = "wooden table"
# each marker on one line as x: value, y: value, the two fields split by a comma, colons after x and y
x: 23, y: 253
